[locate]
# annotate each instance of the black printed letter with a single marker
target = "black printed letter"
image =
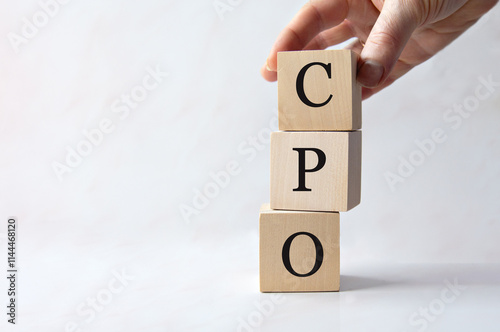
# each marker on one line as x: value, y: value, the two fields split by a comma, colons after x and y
x: 300, y: 83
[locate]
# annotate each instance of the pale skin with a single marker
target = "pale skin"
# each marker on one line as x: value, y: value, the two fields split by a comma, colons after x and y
x: 393, y: 35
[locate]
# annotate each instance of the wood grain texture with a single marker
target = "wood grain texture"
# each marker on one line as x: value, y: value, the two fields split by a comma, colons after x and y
x: 334, y: 187
x: 342, y: 112
x: 275, y: 228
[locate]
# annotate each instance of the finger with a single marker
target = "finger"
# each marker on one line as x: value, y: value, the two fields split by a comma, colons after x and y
x: 330, y: 37
x: 367, y: 93
x: 313, y: 18
x: 355, y: 46
x: 400, y: 69
x: 386, y: 41
x: 269, y: 75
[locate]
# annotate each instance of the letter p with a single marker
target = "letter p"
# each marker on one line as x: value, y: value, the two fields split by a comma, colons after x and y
x: 302, y: 166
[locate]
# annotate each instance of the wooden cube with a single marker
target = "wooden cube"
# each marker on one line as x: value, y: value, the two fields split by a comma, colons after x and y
x: 315, y: 171
x: 299, y: 251
x: 317, y: 90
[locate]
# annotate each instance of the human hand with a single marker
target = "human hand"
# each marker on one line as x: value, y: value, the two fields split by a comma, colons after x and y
x: 393, y: 35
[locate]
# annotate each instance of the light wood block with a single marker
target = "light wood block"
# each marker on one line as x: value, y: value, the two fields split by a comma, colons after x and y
x: 301, y: 180
x: 291, y: 262
x: 317, y: 90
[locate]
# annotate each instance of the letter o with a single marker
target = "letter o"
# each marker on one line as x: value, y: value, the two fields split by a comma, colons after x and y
x: 264, y: 135
x: 104, y: 297
x: 139, y: 93
x: 471, y: 103
x: 437, y: 307
x: 211, y: 190
x: 88, y: 148
x: 274, y: 124
x: 255, y: 318
x: 413, y: 158
x: 40, y: 19
x: 285, y: 255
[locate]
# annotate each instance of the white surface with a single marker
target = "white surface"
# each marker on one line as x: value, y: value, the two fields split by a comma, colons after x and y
x: 119, y: 209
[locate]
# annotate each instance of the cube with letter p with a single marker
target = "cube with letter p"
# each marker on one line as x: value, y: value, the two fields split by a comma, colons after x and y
x: 315, y: 171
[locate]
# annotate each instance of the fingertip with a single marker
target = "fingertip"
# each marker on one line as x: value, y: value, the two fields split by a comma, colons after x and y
x: 370, y: 73
x: 356, y: 47
x: 272, y: 62
x: 267, y: 74
x: 366, y: 93
x: 385, y: 43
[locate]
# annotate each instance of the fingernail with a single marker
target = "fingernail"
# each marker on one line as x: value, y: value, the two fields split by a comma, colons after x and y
x: 267, y: 67
x: 370, y: 73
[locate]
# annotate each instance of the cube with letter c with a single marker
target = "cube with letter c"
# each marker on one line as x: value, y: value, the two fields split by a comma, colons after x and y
x: 318, y: 91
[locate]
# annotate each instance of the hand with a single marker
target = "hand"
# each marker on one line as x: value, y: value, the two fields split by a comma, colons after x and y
x: 393, y: 35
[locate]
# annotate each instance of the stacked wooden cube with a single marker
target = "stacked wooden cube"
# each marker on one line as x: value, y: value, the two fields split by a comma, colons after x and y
x: 315, y: 171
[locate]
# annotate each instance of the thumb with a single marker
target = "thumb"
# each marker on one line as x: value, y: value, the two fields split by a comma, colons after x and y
x: 387, y: 39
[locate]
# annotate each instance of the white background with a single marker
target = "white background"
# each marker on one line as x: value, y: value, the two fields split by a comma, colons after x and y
x: 118, y: 211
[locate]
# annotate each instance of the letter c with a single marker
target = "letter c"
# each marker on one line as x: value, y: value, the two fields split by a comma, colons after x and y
x: 300, y: 83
